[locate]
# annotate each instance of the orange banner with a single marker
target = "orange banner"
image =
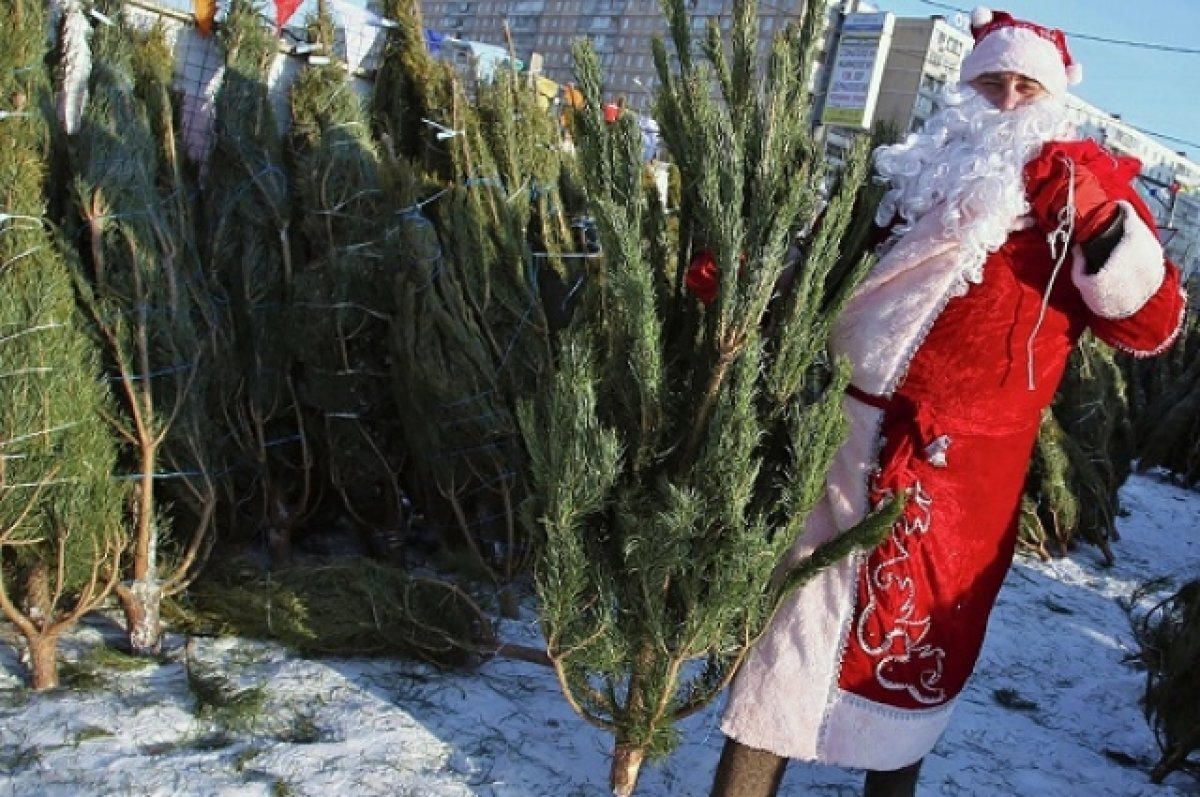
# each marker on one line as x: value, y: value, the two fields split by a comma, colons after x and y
x: 205, y: 12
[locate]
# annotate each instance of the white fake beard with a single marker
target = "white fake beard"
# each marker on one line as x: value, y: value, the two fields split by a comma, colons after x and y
x: 966, y: 165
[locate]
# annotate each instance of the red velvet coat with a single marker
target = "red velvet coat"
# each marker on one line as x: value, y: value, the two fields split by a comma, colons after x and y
x: 924, y: 596
x: 862, y: 666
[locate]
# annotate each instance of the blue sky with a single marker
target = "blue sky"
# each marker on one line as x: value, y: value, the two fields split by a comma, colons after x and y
x: 1158, y: 92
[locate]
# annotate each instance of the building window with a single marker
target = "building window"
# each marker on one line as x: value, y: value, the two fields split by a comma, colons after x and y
x: 931, y: 84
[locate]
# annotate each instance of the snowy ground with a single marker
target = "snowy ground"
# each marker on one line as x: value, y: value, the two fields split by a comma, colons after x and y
x: 1068, y: 723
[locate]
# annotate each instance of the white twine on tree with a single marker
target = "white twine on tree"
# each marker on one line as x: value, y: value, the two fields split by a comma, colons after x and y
x: 45, y: 483
x: 7, y: 217
x: 21, y: 256
x: 173, y: 369
x: 337, y: 209
x: 31, y: 330
x: 1060, y: 242
x: 343, y: 306
x: 41, y: 433
x: 28, y: 371
x: 443, y: 132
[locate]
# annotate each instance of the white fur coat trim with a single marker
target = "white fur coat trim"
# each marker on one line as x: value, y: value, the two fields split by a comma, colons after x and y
x: 785, y: 698
x: 1134, y: 272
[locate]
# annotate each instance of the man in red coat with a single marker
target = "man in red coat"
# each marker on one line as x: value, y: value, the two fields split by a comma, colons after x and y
x: 1010, y: 237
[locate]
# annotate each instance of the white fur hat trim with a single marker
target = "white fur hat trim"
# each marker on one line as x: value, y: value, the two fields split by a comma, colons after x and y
x: 1013, y: 49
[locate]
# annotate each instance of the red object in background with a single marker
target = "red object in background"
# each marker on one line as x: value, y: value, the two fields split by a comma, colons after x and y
x: 284, y: 10
x: 612, y: 112
x: 703, y: 276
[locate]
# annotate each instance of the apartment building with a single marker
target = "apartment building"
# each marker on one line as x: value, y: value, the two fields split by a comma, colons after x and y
x: 924, y: 57
x: 1169, y: 180
x: 619, y: 30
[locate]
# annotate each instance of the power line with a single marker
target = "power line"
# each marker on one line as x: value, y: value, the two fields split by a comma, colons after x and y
x: 1166, y: 137
x: 1166, y: 48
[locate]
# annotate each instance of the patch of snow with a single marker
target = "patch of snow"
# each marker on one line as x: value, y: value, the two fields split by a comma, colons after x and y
x: 1052, y: 710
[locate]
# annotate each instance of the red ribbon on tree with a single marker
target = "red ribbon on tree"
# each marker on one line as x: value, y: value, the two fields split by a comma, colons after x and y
x: 703, y: 276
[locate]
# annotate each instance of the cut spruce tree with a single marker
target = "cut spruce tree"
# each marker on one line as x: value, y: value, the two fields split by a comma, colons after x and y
x: 1168, y: 424
x: 472, y: 333
x: 147, y: 309
x: 413, y: 93
x: 1168, y: 637
x: 341, y: 302
x: 678, y: 450
x: 61, y: 534
x: 267, y: 463
x: 1084, y: 454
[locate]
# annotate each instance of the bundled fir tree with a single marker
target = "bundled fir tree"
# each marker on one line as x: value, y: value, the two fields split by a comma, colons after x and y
x: 1168, y: 636
x: 267, y: 459
x: 678, y: 451
x: 1168, y: 425
x: 60, y: 511
x: 352, y: 607
x: 1150, y: 378
x: 1083, y: 456
x: 472, y: 333
x: 341, y: 303
x: 412, y: 90
x: 146, y: 309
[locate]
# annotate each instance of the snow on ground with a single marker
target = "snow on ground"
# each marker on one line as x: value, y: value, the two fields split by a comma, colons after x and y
x: 1051, y: 712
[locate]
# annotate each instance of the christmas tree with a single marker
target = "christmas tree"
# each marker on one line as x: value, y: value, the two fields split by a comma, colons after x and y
x: 1084, y: 453
x: 341, y: 303
x: 679, y: 448
x: 268, y: 466
x: 413, y: 92
x: 60, y: 511
x: 1168, y: 423
x: 1168, y: 636
x: 483, y: 234
x: 147, y: 308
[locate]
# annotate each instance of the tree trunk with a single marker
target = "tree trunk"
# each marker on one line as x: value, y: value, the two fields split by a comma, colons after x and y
x: 141, y: 601
x: 626, y: 764
x: 37, y: 605
x: 43, y: 661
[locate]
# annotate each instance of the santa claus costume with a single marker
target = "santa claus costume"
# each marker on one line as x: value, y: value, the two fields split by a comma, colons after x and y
x: 1011, y: 238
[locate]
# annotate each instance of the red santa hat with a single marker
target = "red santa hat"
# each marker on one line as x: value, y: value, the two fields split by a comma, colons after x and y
x: 1006, y: 44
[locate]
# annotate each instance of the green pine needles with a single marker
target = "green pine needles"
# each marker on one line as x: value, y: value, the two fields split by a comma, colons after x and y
x: 147, y: 308
x: 339, y: 316
x: 679, y: 448
x: 1167, y: 410
x: 1168, y: 637
x: 266, y: 460
x: 61, y: 535
x: 480, y: 247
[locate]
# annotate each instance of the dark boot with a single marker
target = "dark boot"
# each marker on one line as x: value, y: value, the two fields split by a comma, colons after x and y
x: 898, y: 783
x: 746, y: 772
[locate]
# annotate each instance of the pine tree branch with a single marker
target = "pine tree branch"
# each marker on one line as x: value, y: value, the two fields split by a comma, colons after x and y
x: 866, y: 534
